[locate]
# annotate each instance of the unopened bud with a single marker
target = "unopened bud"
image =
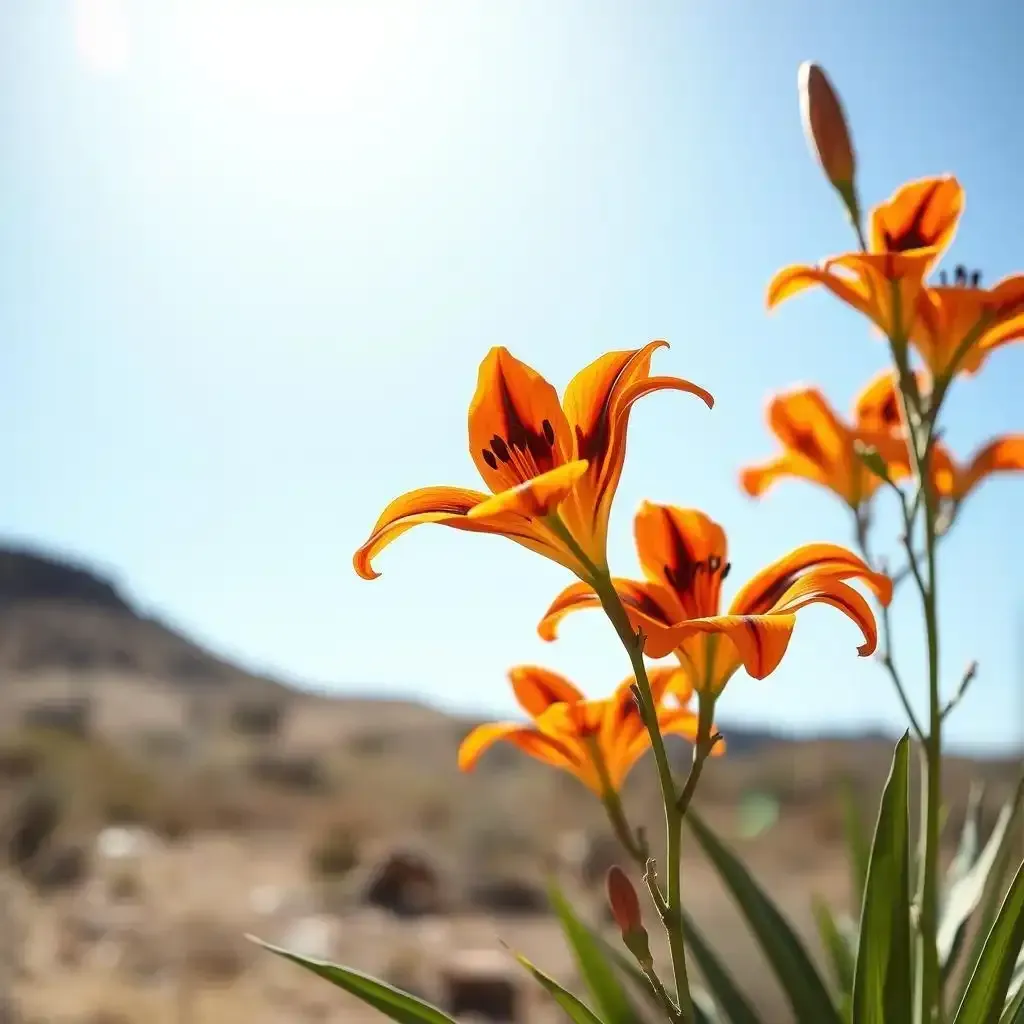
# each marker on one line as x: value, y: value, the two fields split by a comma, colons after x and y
x: 825, y: 125
x: 625, y: 907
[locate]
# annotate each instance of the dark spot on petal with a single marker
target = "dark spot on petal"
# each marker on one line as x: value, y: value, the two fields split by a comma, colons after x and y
x: 912, y: 235
x: 806, y: 444
x: 500, y: 448
x: 549, y: 432
x: 489, y: 458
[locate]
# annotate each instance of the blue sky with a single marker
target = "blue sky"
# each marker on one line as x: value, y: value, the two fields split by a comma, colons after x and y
x: 253, y: 254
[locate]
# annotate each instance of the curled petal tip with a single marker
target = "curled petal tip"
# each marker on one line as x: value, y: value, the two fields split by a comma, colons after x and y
x: 363, y: 569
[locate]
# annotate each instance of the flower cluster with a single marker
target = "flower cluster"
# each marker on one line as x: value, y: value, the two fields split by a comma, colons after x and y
x: 552, y: 465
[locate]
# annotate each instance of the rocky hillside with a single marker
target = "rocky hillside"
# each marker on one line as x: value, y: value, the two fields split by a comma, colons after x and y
x: 59, y: 617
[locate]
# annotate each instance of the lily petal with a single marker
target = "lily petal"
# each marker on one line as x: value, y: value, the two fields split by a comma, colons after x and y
x: 672, y: 721
x: 877, y: 407
x: 1003, y: 455
x: 534, y: 498
x: 919, y: 215
x: 761, y: 640
x: 597, y: 405
x: 448, y: 506
x: 794, y: 279
x: 760, y: 478
x: 764, y: 590
x: 647, y: 602
x: 517, y: 429
x: 537, y: 688
x: 684, y: 551
x: 530, y: 741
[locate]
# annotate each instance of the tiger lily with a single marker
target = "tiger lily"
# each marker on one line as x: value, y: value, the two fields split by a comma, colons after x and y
x: 552, y: 467
x: 684, y: 557
x: 958, y: 325
x: 598, y: 741
x: 877, y: 409
x: 818, y: 446
x: 955, y: 482
x: 909, y: 233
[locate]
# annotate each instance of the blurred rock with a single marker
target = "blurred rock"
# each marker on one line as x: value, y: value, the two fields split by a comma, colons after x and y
x: 481, y: 984
x: 508, y: 896
x: 407, y: 883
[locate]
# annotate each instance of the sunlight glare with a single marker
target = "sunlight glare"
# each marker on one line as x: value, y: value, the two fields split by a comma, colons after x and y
x: 330, y: 52
x: 102, y: 36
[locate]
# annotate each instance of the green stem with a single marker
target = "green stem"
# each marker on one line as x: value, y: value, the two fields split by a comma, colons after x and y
x: 670, y: 908
x: 933, y: 802
x: 921, y: 427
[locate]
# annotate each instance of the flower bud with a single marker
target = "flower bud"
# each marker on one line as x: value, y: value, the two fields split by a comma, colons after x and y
x: 625, y: 906
x: 623, y: 900
x: 825, y: 126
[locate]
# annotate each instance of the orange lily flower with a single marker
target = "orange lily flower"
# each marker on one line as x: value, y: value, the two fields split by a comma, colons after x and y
x: 959, y: 324
x: 552, y: 468
x: 877, y: 407
x: 955, y: 482
x: 909, y: 232
x: 598, y: 741
x: 818, y: 446
x: 684, y: 557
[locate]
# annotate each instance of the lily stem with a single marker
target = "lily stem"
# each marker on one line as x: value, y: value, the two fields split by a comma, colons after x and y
x: 672, y: 901
x: 921, y: 427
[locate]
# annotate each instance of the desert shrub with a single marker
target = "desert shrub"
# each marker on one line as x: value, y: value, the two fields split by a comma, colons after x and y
x: 303, y: 773
x: 335, y: 852
x: 256, y: 718
x: 70, y: 716
x: 31, y: 823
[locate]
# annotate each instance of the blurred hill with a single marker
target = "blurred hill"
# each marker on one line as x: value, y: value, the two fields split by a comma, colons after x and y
x: 252, y: 794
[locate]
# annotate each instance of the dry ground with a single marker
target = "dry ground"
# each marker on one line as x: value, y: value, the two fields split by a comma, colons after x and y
x: 274, y: 834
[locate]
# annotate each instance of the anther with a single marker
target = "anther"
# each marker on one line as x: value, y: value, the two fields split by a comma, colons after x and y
x: 714, y: 564
x: 961, y: 274
x: 489, y: 458
x: 549, y: 432
x: 943, y: 279
x: 500, y: 448
x: 725, y: 570
x: 976, y: 279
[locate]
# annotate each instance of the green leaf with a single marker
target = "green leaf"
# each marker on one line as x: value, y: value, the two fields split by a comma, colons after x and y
x: 608, y: 995
x: 703, y: 1012
x: 806, y: 992
x: 857, y: 845
x: 1014, y: 1012
x: 970, y: 888
x: 1016, y: 989
x: 985, y: 996
x: 726, y: 994
x: 575, y: 1009
x: 839, y: 946
x: 882, y: 982
x: 1002, y: 841
x: 970, y: 842
x: 388, y: 1000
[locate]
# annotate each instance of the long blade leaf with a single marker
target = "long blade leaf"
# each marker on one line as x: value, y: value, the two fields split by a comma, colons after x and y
x: 805, y: 990
x: 609, y: 996
x: 839, y: 948
x: 985, y: 996
x: 1004, y: 843
x: 386, y: 999
x: 725, y: 992
x: 575, y: 1009
x: 881, y: 985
